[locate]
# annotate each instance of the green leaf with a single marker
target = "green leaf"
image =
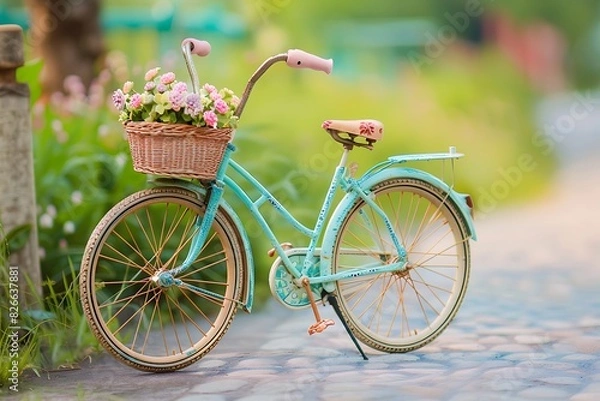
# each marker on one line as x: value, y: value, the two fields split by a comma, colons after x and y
x: 17, y: 238
x: 30, y: 74
x: 39, y: 315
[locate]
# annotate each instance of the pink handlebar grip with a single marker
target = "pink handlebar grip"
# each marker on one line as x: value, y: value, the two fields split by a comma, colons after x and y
x: 197, y: 47
x: 301, y: 59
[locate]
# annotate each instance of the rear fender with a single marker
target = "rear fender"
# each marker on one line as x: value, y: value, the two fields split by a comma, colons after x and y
x: 462, y: 201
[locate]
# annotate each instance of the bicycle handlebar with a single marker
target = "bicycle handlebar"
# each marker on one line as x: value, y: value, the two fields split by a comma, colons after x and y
x: 198, y: 47
x: 294, y: 58
x: 300, y: 59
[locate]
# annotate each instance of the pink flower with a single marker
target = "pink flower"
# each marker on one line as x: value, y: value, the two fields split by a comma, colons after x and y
x: 161, y: 88
x: 118, y: 99
x: 193, y: 105
x: 151, y: 74
x: 177, y: 95
x: 180, y: 87
x: 214, y: 96
x: 167, y: 78
x: 136, y: 101
x: 209, y: 88
x: 235, y: 101
x: 211, y: 118
x: 127, y: 87
x: 221, y: 106
x: 149, y: 86
x: 74, y: 86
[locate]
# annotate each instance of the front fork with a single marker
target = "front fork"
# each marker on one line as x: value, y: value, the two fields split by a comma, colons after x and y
x: 167, y: 278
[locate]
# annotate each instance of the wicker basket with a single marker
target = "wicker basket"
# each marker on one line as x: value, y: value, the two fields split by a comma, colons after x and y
x: 178, y: 150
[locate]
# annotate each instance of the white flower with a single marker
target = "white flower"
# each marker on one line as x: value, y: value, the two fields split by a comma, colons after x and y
x: 121, y: 159
x: 69, y: 227
x: 46, y: 221
x: 76, y: 197
x: 51, y: 210
x: 57, y: 126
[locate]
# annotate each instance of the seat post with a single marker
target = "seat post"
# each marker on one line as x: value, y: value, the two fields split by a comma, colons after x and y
x: 344, y: 159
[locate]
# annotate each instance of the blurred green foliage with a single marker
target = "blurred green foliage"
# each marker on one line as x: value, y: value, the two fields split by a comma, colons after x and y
x: 578, y: 22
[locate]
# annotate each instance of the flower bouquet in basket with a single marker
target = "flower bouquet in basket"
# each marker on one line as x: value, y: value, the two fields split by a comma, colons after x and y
x: 174, y: 131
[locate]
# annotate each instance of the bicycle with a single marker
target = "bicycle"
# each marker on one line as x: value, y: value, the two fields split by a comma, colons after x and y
x: 165, y: 270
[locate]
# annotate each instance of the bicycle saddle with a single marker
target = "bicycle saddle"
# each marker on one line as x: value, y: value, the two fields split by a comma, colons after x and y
x: 371, y: 129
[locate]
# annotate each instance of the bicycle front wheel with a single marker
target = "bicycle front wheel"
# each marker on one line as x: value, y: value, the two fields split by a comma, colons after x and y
x: 149, y: 326
x: 404, y: 310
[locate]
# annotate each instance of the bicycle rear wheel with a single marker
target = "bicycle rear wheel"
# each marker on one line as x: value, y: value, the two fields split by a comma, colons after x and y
x: 143, y: 324
x: 402, y: 311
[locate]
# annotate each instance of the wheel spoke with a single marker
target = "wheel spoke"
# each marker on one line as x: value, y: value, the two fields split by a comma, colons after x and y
x: 128, y: 299
x: 137, y: 328
x: 173, y: 324
x: 139, y: 310
x: 200, y: 311
x: 428, y: 286
x: 184, y: 240
x: 135, y: 248
x: 126, y: 262
x: 442, y: 252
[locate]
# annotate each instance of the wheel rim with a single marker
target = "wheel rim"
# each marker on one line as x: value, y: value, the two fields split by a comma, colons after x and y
x: 407, y: 308
x: 143, y: 321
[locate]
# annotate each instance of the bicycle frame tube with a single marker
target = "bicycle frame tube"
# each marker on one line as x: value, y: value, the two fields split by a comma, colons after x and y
x: 265, y: 196
x: 338, y: 181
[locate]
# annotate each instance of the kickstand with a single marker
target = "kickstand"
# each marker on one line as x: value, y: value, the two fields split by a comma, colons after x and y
x: 333, y: 302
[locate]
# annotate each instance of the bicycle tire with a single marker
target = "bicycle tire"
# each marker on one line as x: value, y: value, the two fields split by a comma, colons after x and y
x: 405, y: 310
x: 144, y: 325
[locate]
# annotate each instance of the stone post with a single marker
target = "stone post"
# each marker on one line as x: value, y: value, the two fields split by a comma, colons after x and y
x: 17, y: 189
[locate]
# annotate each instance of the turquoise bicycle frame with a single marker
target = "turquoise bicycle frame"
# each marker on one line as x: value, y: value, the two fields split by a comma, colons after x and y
x: 355, y: 188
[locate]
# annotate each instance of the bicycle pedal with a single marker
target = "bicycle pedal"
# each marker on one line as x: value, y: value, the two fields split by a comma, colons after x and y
x: 320, y: 326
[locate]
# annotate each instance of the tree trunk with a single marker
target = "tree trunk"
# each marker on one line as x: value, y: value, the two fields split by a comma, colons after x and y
x: 67, y: 35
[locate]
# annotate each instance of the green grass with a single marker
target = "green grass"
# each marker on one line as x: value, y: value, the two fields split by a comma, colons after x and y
x: 52, y: 336
x: 15, y: 355
x: 62, y: 328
